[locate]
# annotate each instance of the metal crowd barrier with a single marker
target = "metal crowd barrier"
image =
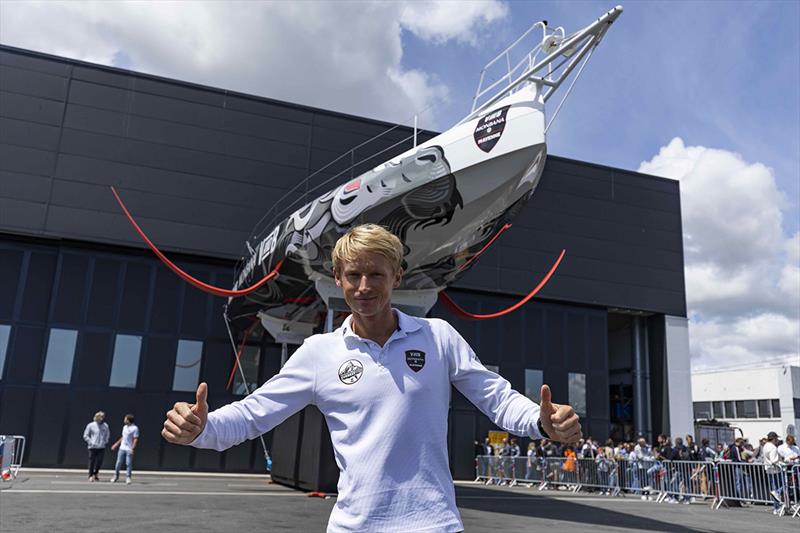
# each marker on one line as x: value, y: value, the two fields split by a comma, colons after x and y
x: 501, y: 470
x: 660, y: 481
x: 753, y: 483
x: 12, y: 451
x: 793, y: 478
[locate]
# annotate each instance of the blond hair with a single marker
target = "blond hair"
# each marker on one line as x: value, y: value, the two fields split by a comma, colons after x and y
x: 368, y: 238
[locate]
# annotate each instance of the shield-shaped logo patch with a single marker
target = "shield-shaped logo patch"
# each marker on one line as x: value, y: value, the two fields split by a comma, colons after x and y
x: 489, y: 129
x: 415, y: 359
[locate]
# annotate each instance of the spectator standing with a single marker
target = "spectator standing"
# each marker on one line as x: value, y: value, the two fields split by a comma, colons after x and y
x: 484, y: 462
x: 96, y: 436
x: 772, y: 466
x: 550, y: 451
x: 534, y: 453
x: 641, y: 456
x: 603, y: 460
x: 680, y: 470
x: 515, y: 453
x: 789, y: 451
x: 692, y: 449
x: 127, y: 444
x: 589, y: 449
x: 505, y: 460
x: 719, y: 453
x: 706, y: 451
x: 568, y: 468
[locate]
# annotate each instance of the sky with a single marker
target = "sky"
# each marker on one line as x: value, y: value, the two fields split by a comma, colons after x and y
x: 707, y: 93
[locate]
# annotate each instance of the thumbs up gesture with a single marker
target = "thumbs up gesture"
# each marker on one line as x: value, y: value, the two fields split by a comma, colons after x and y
x: 185, y: 421
x: 560, y: 422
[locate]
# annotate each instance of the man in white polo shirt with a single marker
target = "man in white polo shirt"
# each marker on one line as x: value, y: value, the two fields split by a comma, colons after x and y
x: 382, y: 381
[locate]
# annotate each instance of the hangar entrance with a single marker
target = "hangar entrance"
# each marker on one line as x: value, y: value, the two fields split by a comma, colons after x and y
x: 633, y: 339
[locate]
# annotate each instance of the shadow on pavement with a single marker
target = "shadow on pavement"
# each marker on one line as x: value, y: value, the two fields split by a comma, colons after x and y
x: 544, y: 508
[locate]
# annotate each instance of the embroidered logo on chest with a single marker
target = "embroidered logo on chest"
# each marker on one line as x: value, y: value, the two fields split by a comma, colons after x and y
x: 415, y: 359
x: 351, y: 371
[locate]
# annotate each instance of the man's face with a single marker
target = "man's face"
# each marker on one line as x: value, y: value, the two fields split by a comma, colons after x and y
x: 98, y: 419
x: 367, y: 283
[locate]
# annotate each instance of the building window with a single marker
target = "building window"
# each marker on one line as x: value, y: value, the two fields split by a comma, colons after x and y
x: 125, y: 365
x: 533, y: 383
x: 719, y: 411
x: 577, y: 392
x: 729, y: 411
x: 187, y: 365
x: 5, y: 333
x: 764, y: 409
x: 776, y: 409
x: 746, y: 409
x: 60, y: 354
x: 249, y: 363
x: 702, y: 411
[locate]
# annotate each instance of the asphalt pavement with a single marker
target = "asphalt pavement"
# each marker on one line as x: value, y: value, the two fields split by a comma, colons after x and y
x: 57, y: 501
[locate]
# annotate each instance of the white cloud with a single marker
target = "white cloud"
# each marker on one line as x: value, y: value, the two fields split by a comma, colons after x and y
x: 442, y: 21
x: 742, y: 269
x: 345, y: 56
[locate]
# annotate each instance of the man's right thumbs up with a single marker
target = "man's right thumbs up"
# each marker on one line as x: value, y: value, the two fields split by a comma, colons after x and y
x: 186, y: 421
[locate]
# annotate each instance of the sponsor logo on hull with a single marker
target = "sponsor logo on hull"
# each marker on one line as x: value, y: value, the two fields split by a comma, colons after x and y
x: 490, y: 128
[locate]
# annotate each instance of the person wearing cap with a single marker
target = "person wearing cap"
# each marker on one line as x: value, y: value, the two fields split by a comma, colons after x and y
x: 96, y: 436
x: 383, y: 382
x: 772, y: 465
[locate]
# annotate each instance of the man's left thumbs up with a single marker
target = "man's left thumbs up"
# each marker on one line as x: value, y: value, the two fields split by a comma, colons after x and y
x: 560, y: 422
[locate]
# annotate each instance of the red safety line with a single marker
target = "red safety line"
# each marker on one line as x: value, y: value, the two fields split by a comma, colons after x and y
x: 488, y: 244
x: 239, y: 353
x: 446, y: 300
x: 217, y: 291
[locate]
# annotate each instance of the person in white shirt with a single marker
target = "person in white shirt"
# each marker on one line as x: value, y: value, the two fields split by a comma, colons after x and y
x: 381, y: 374
x: 789, y: 451
x: 772, y: 465
x: 127, y: 444
x: 96, y: 436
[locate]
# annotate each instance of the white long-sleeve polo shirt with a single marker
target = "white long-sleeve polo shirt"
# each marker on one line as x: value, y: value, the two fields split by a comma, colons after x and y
x: 386, y: 409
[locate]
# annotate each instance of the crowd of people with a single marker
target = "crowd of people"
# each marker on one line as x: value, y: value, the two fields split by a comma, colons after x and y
x: 673, y: 467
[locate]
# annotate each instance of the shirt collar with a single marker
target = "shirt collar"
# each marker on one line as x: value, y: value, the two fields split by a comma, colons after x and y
x: 405, y: 324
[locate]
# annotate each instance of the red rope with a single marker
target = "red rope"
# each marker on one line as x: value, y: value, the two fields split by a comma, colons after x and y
x: 488, y: 244
x: 239, y: 353
x: 446, y: 300
x: 217, y: 291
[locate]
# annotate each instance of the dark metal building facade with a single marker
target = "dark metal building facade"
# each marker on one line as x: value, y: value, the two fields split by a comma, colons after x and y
x: 198, y: 167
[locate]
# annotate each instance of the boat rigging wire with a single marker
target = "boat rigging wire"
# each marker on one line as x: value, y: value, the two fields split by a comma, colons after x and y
x: 241, y: 372
x: 237, y: 363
